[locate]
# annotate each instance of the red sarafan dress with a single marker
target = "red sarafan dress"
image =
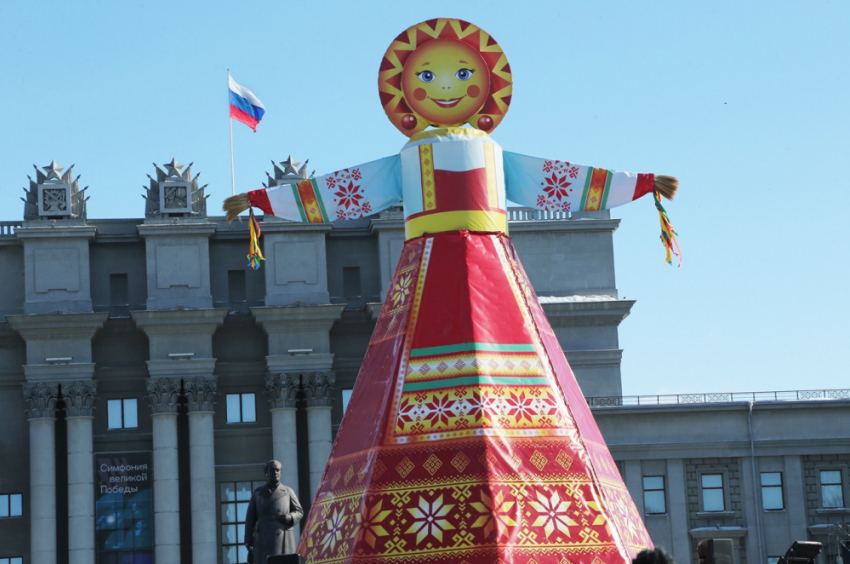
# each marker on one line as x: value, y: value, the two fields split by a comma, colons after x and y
x: 467, y: 438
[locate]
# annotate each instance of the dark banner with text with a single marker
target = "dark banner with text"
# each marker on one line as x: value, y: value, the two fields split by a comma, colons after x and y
x: 124, y: 507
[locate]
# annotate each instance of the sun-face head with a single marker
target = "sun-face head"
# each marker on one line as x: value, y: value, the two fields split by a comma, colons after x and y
x: 442, y: 73
x: 446, y: 82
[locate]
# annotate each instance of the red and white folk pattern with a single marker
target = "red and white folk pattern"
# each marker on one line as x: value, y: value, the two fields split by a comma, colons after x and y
x: 428, y: 508
x: 479, y: 410
x: 462, y: 469
x: 348, y: 194
x: 557, y: 185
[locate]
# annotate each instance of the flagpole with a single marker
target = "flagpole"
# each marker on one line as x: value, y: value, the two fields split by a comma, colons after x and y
x: 230, y: 120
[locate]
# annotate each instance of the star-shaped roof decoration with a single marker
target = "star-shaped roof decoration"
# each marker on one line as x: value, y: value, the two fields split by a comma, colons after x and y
x: 53, y: 170
x: 290, y: 167
x: 174, y: 168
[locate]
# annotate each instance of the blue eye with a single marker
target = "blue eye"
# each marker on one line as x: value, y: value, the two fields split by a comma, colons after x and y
x: 464, y: 74
x: 425, y: 76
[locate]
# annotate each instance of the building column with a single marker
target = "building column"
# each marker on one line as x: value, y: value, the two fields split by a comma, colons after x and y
x: 319, y: 391
x: 677, y: 488
x: 796, y: 496
x: 200, y: 392
x: 79, y: 399
x: 41, y: 413
x: 163, y: 394
x: 283, y: 389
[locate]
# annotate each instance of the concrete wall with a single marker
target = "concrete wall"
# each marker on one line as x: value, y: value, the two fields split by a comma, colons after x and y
x: 124, y: 258
x: 353, y: 252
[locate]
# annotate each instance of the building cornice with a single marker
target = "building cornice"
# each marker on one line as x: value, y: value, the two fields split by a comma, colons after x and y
x: 299, y: 363
x: 176, y: 228
x: 48, y: 229
x: 59, y: 372
x: 276, y: 225
x: 554, y: 226
x: 181, y: 368
x: 597, y: 357
x: 289, y: 318
x: 566, y: 312
x: 161, y: 322
x: 57, y: 326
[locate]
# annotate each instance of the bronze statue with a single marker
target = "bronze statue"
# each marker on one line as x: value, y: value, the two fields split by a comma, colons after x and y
x: 273, y: 512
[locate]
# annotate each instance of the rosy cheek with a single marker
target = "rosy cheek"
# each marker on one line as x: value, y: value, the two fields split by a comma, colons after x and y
x: 473, y: 91
x: 420, y: 94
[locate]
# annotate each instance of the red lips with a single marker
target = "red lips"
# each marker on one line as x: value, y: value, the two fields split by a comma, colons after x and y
x: 447, y: 103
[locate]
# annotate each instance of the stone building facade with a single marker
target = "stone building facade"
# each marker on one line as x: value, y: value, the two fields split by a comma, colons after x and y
x: 147, y: 374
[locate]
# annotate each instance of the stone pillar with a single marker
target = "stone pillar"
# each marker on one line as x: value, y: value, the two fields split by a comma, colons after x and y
x: 677, y: 488
x: 283, y: 389
x: 200, y: 392
x: 41, y: 413
x: 79, y: 399
x: 163, y: 393
x: 319, y: 392
x: 796, y: 509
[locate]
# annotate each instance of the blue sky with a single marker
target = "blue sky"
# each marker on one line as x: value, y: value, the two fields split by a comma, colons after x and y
x: 745, y: 102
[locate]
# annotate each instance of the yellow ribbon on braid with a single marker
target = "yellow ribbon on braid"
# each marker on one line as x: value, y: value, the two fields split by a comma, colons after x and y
x: 668, y: 234
x: 255, y: 255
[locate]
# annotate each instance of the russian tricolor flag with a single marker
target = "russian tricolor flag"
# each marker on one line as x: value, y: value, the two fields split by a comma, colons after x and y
x: 244, y: 106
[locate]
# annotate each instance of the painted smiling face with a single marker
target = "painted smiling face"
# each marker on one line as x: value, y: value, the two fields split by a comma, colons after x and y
x: 445, y: 81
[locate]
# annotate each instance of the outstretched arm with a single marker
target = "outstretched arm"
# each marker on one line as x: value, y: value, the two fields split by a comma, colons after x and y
x: 553, y: 185
x: 351, y: 193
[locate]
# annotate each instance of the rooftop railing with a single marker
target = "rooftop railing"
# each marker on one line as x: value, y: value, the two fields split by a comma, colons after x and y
x: 531, y: 214
x: 7, y: 228
x: 684, y: 399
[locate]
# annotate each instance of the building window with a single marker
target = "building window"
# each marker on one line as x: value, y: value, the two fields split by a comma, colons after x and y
x: 12, y: 560
x: 654, y: 502
x: 235, y: 497
x: 346, y: 397
x: 831, y: 489
x: 122, y: 413
x: 241, y: 408
x: 10, y: 506
x: 712, y: 493
x: 771, y: 491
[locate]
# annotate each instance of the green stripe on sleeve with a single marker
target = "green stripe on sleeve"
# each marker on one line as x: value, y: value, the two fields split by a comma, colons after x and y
x: 463, y: 347
x: 586, y: 188
x: 607, y: 189
x: 299, y: 203
x: 319, y: 199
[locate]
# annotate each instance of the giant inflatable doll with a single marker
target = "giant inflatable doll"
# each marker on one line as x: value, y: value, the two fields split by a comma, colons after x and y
x: 467, y: 438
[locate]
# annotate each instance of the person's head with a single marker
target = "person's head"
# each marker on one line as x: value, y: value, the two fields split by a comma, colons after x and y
x: 653, y: 556
x: 273, y: 473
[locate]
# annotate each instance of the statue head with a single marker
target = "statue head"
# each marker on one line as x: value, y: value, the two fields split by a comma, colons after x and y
x: 273, y: 468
